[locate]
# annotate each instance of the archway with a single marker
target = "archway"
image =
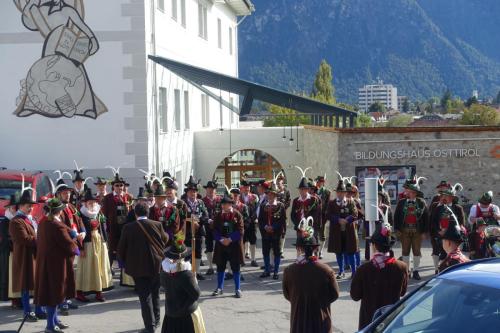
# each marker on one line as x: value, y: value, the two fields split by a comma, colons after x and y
x: 252, y: 164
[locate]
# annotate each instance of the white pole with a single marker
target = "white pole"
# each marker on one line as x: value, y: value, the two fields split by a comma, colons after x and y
x: 371, y: 203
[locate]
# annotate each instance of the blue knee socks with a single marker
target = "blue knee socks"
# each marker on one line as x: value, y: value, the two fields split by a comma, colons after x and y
x: 357, y: 257
x: 51, y: 317
x: 220, y: 280
x: 236, y: 278
x: 277, y: 261
x: 340, y: 262
x: 267, y: 264
x: 25, y: 300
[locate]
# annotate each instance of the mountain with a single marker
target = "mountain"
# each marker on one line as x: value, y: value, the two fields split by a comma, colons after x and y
x: 421, y: 46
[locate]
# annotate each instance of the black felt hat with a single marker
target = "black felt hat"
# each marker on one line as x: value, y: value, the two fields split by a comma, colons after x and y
x: 178, y: 250
x: 211, y: 184
x: 159, y: 192
x: 101, y: 181
x: 62, y: 186
x: 304, y: 183
x: 192, y: 184
x: 78, y: 176
x: 227, y: 200
x: 383, y: 235
x: 26, y: 198
x: 89, y: 196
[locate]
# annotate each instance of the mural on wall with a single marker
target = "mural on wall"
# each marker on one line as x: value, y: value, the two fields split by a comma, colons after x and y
x: 57, y: 85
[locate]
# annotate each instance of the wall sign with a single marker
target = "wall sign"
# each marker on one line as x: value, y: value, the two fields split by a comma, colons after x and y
x: 395, y: 177
x: 416, y: 154
x: 57, y: 85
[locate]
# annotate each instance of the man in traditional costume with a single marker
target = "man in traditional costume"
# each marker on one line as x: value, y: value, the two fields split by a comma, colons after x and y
x: 285, y: 198
x: 6, y: 247
x: 212, y: 203
x: 305, y: 205
x: 101, y: 191
x: 228, y: 235
x: 71, y: 218
x: 22, y: 230
x: 250, y: 237
x: 309, y: 285
x: 79, y: 188
x: 93, y: 273
x: 353, y: 196
x: 197, y: 214
x: 342, y: 240
x: 411, y: 219
x: 440, y: 214
x: 115, y: 208
x: 486, y: 210
x: 55, y: 249
x: 324, y: 194
x: 272, y: 218
x: 381, y: 281
x: 452, y: 234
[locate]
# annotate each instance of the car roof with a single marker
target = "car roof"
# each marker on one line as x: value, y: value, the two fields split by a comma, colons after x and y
x: 16, y: 174
x: 484, y: 272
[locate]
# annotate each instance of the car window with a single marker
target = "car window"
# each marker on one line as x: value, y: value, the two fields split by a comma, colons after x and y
x: 43, y: 187
x: 446, y: 306
x: 8, y: 187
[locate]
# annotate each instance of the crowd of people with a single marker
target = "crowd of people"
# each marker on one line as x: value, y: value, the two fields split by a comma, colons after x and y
x: 162, y: 238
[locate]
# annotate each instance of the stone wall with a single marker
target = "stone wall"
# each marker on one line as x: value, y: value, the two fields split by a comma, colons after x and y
x: 470, y: 156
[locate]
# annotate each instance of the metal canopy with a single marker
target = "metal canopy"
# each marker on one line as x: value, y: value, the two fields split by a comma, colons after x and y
x: 251, y: 91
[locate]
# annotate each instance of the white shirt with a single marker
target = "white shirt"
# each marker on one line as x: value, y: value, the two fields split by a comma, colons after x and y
x: 308, y: 196
x: 473, y: 211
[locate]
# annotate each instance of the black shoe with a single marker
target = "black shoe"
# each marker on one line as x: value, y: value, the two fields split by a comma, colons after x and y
x: 72, y: 306
x: 31, y: 317
x: 237, y: 294
x: 262, y: 267
x: 202, y: 263
x: 265, y: 274
x: 210, y: 271
x: 228, y: 276
x: 64, y: 310
x: 340, y: 276
x: 416, y: 276
x: 275, y: 276
x: 56, y: 329
x: 282, y: 256
x: 247, y: 256
x: 347, y: 269
x: 41, y: 315
x: 217, y: 292
x: 200, y: 277
x: 62, y: 326
x: 254, y: 263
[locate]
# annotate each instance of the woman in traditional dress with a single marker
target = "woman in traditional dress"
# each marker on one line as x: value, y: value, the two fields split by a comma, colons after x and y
x: 93, y: 273
x: 54, y: 248
x: 182, y: 313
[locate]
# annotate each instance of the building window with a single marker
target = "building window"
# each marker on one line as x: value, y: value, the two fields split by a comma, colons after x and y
x: 174, y: 10
x: 183, y: 13
x: 161, y: 5
x: 177, y: 109
x: 230, y: 41
x: 219, y: 33
x: 186, y: 109
x: 205, y: 111
x: 231, y: 113
x: 202, y: 21
x: 163, y: 109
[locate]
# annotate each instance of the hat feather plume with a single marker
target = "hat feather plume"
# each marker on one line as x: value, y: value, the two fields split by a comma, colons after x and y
x: 116, y: 171
x: 490, y: 193
x: 61, y: 174
x: 23, y: 187
x: 79, y: 169
x: 303, y: 171
x: 86, y: 179
x: 452, y: 213
x: 457, y: 187
x: 385, y: 215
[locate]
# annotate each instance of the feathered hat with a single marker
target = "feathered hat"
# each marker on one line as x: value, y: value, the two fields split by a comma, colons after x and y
x: 26, y: 193
x: 341, y: 183
x: 53, y: 206
x: 304, y: 182
x: 212, y: 184
x: 486, y: 198
x: 89, y: 196
x: 178, y: 249
x: 78, y: 173
x: 101, y: 181
x: 116, y: 173
x: 305, y: 233
x: 414, y: 184
x: 192, y: 184
x: 451, y: 190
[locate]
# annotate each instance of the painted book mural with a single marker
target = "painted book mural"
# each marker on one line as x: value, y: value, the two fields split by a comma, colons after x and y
x: 57, y: 85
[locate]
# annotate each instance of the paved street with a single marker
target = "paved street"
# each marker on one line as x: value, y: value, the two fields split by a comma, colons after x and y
x: 262, y: 308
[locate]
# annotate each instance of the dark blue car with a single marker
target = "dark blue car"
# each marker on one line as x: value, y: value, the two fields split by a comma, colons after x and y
x: 463, y: 298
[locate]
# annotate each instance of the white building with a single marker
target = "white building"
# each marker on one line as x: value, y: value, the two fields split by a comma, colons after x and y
x: 88, y: 91
x: 385, y: 94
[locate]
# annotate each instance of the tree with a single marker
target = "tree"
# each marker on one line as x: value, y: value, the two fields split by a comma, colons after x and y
x: 284, y: 117
x: 363, y: 120
x: 470, y: 101
x: 478, y: 114
x: 400, y: 121
x: 377, y: 107
x: 406, y: 105
x: 323, y: 89
x: 446, y: 100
